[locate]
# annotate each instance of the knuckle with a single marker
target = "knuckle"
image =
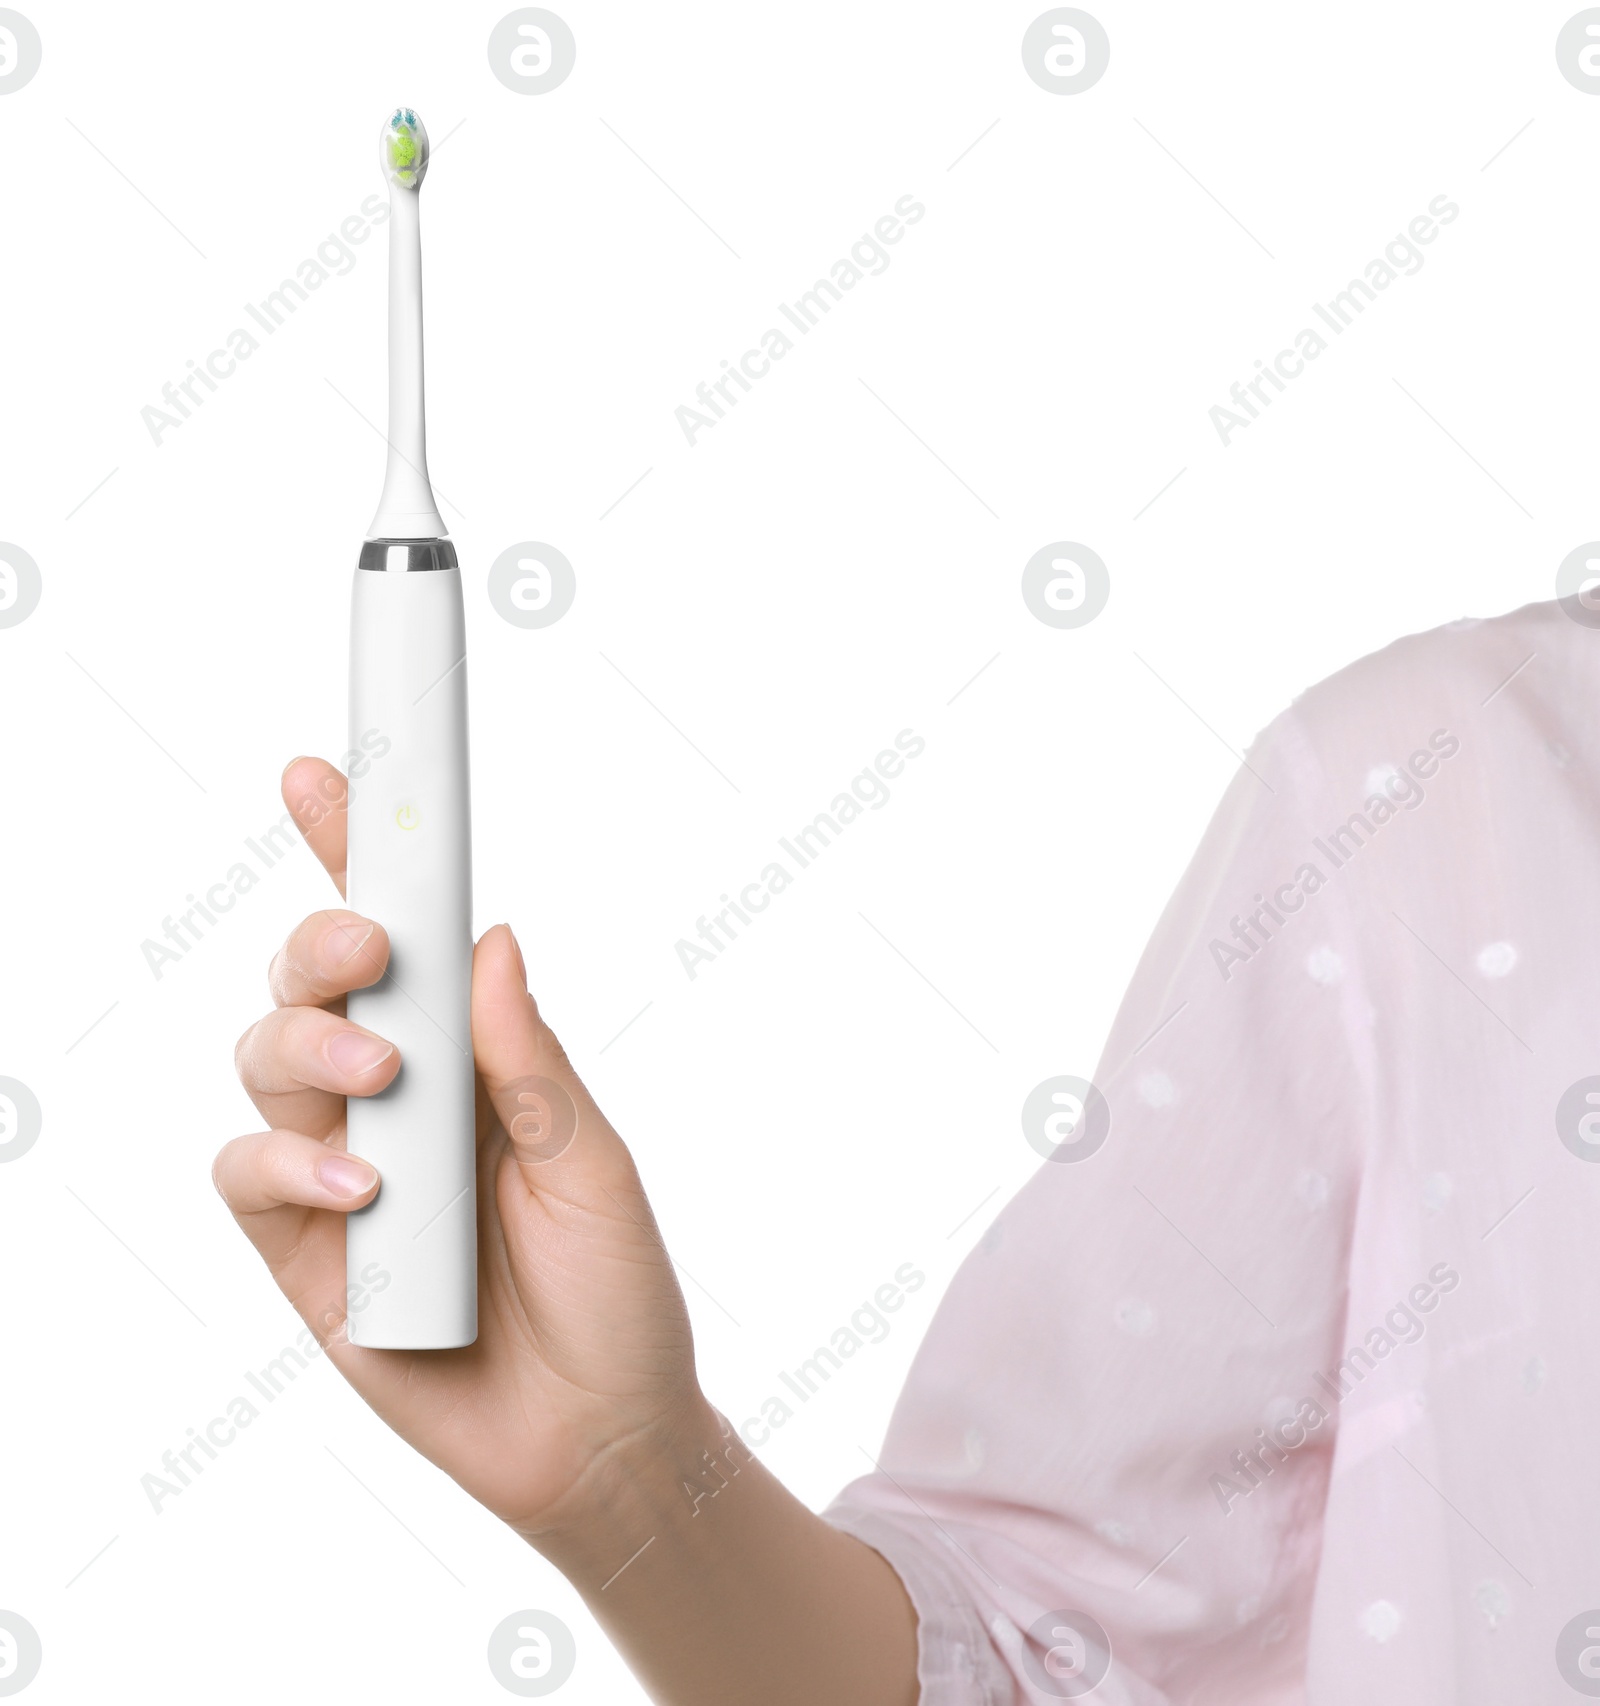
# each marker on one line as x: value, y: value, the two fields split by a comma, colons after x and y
x: 275, y: 1159
x: 299, y: 1036
x: 222, y: 1166
x: 244, y: 1049
x: 292, y: 969
x: 264, y: 1056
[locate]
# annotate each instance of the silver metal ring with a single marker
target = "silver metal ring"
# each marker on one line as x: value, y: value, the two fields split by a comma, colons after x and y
x: 407, y: 556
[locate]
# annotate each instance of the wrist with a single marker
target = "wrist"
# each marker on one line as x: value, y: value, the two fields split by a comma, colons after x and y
x: 719, y: 1587
x: 653, y: 1479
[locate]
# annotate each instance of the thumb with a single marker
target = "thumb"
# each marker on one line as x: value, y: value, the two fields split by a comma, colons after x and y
x: 564, y: 1145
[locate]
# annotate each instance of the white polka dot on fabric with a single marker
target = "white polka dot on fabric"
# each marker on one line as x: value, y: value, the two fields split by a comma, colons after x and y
x: 1324, y: 965
x: 1275, y: 1630
x: 1496, y: 959
x: 1118, y: 1533
x: 1312, y: 1189
x: 1381, y: 1621
x: 1534, y: 1374
x: 1380, y: 776
x: 972, y: 1449
x: 1437, y: 1190
x: 1135, y: 1317
x: 1464, y: 622
x: 1558, y: 753
x: 1493, y: 1603
x: 1156, y: 1091
x: 1247, y: 1610
x: 1281, y: 1410
x: 1007, y: 1637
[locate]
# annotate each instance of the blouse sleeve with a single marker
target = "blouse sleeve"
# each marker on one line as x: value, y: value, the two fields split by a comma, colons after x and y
x: 1108, y: 1465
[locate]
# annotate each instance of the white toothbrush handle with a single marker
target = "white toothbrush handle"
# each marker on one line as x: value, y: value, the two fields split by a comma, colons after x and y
x: 412, y: 1254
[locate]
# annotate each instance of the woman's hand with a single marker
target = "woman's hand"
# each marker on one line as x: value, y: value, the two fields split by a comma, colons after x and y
x: 576, y: 1416
x: 584, y: 1358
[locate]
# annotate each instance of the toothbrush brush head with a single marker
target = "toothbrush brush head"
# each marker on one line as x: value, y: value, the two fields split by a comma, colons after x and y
x: 403, y: 149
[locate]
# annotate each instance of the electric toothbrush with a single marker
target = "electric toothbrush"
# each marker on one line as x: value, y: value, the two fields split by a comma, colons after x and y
x: 413, y: 1249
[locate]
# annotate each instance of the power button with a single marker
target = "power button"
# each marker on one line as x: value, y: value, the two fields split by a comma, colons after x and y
x: 406, y: 817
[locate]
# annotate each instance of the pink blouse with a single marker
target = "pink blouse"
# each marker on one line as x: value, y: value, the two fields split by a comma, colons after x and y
x: 1282, y: 1386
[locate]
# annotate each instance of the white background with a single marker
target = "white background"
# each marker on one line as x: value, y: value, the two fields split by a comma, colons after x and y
x: 803, y: 583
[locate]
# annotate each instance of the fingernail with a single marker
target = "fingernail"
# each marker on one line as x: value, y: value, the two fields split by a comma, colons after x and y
x: 289, y: 766
x: 516, y: 948
x: 355, y: 1052
x: 344, y: 941
x: 345, y: 1176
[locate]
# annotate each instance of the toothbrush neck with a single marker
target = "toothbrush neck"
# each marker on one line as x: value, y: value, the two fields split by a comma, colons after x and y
x: 407, y: 509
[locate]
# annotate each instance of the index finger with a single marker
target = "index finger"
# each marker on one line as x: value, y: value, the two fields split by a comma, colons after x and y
x: 317, y: 797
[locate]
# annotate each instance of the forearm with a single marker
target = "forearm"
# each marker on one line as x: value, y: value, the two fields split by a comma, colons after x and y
x: 720, y: 1588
